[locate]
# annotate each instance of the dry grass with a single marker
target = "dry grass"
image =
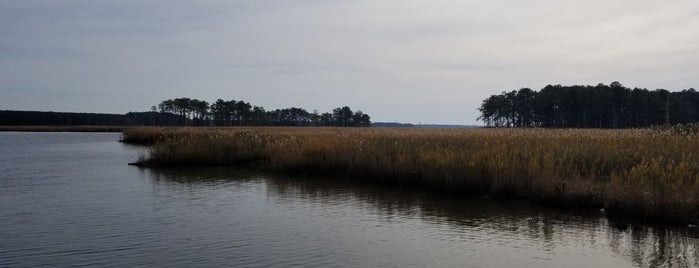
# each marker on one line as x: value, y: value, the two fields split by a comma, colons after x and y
x: 651, y: 174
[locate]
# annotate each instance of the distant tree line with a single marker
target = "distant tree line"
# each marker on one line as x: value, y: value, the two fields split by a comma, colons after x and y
x: 241, y: 113
x: 392, y: 125
x: 193, y: 112
x: 36, y: 118
x: 601, y: 106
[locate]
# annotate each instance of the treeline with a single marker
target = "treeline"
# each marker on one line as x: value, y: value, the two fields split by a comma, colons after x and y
x: 193, y: 112
x: 35, y: 118
x: 601, y: 106
x: 240, y: 113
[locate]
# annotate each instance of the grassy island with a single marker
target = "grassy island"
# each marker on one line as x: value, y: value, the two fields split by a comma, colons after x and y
x: 650, y: 174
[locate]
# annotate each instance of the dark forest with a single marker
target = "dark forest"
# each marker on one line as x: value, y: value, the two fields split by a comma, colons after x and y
x: 601, y: 106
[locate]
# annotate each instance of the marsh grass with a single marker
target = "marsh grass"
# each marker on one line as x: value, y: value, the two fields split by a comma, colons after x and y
x: 647, y: 173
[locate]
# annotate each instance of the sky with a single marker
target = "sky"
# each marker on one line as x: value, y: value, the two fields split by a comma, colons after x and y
x: 418, y: 61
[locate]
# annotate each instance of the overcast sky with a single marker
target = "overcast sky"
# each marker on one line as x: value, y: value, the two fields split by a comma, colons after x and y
x: 429, y: 61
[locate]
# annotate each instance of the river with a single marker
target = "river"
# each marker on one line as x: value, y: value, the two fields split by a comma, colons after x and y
x: 70, y: 199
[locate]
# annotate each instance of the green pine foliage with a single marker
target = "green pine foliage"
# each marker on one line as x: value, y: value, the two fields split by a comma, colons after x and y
x: 601, y: 106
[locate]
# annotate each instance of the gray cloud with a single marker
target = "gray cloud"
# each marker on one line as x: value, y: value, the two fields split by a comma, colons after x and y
x: 415, y: 60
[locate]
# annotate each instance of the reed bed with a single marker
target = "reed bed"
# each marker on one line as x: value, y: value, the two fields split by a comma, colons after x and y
x: 650, y: 174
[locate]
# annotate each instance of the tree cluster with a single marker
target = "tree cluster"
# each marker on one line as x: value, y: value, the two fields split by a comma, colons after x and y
x: 241, y: 113
x: 601, y: 106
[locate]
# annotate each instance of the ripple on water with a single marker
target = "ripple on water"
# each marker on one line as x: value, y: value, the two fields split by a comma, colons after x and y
x: 72, y: 201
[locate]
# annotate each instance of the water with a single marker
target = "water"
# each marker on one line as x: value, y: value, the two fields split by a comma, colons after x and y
x: 69, y: 199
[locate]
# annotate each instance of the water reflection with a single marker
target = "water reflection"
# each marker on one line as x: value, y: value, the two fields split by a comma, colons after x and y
x: 477, y: 226
x: 195, y: 177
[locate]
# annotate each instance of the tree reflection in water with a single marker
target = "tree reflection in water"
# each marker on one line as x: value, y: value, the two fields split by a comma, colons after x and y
x: 547, y: 228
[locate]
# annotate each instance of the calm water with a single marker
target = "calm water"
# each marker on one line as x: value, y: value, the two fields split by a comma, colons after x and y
x: 69, y: 199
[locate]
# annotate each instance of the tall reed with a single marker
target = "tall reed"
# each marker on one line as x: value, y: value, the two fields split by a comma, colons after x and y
x: 647, y: 173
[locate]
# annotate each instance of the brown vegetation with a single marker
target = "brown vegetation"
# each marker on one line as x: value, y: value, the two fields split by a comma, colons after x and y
x: 652, y: 174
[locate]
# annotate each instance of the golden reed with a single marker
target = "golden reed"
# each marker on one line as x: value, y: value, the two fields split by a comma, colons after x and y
x: 650, y: 174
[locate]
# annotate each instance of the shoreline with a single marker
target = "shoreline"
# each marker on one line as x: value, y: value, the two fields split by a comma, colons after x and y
x: 63, y: 128
x: 647, y: 176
